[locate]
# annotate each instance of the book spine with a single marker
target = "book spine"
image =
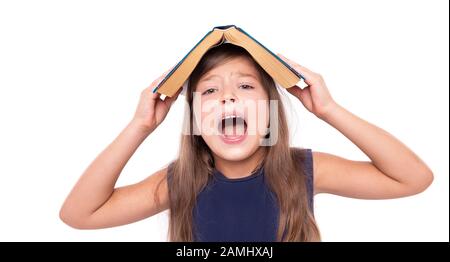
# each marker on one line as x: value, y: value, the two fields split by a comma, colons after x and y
x: 277, y: 57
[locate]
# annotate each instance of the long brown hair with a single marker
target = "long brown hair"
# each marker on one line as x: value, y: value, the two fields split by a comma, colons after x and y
x: 284, y: 174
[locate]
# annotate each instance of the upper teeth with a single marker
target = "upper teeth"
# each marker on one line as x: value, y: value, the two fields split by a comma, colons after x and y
x: 228, y: 117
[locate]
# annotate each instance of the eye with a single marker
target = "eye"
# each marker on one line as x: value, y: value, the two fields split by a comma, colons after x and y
x: 246, y: 86
x: 209, y: 91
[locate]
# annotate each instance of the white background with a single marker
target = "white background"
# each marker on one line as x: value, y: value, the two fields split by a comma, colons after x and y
x: 71, y: 73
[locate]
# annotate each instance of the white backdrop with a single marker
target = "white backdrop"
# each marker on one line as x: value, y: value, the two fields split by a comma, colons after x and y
x: 71, y: 73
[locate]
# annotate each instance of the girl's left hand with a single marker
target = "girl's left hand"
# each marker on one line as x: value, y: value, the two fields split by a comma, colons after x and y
x: 315, y: 97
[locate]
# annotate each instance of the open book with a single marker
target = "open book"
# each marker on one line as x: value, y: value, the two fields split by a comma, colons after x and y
x: 280, y: 71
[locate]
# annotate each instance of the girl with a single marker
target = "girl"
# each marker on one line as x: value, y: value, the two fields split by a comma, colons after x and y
x: 227, y: 186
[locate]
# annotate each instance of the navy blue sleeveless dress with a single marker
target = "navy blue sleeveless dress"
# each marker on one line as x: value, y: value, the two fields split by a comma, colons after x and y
x: 242, y: 209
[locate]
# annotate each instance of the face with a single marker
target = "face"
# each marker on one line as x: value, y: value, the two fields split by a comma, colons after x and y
x: 231, y: 109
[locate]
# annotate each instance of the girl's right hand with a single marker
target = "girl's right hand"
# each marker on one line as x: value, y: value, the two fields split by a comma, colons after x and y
x: 151, y: 110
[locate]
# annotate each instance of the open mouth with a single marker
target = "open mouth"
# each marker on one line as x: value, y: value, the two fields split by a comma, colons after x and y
x: 233, y: 128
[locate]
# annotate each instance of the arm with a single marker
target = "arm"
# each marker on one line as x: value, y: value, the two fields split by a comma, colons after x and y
x: 394, y: 170
x: 94, y: 202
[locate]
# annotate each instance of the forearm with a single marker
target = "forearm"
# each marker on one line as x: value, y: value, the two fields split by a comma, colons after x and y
x: 386, y: 152
x: 97, y: 182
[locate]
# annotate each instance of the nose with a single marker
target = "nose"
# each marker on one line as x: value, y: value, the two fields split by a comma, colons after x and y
x: 232, y: 100
x: 228, y: 96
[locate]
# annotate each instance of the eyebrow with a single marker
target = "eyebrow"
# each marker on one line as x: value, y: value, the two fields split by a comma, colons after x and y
x: 240, y: 74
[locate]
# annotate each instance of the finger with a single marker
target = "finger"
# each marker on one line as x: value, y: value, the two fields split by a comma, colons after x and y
x: 155, y: 95
x: 158, y: 80
x: 154, y: 84
x: 305, y: 98
x: 168, y: 71
x: 304, y: 95
x: 148, y: 92
x: 310, y: 76
x: 295, y: 90
x: 292, y: 62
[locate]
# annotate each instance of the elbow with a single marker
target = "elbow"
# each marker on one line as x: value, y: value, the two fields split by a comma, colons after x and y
x: 424, y: 180
x: 72, y: 220
x: 68, y: 219
x: 428, y: 178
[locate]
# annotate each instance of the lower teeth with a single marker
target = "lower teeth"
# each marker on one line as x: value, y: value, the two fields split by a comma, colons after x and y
x: 234, y: 130
x: 233, y: 127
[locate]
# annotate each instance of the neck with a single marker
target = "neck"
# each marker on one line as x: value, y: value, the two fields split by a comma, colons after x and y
x: 242, y: 168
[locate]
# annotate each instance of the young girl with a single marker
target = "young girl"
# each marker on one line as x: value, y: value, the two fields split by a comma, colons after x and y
x: 228, y: 186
